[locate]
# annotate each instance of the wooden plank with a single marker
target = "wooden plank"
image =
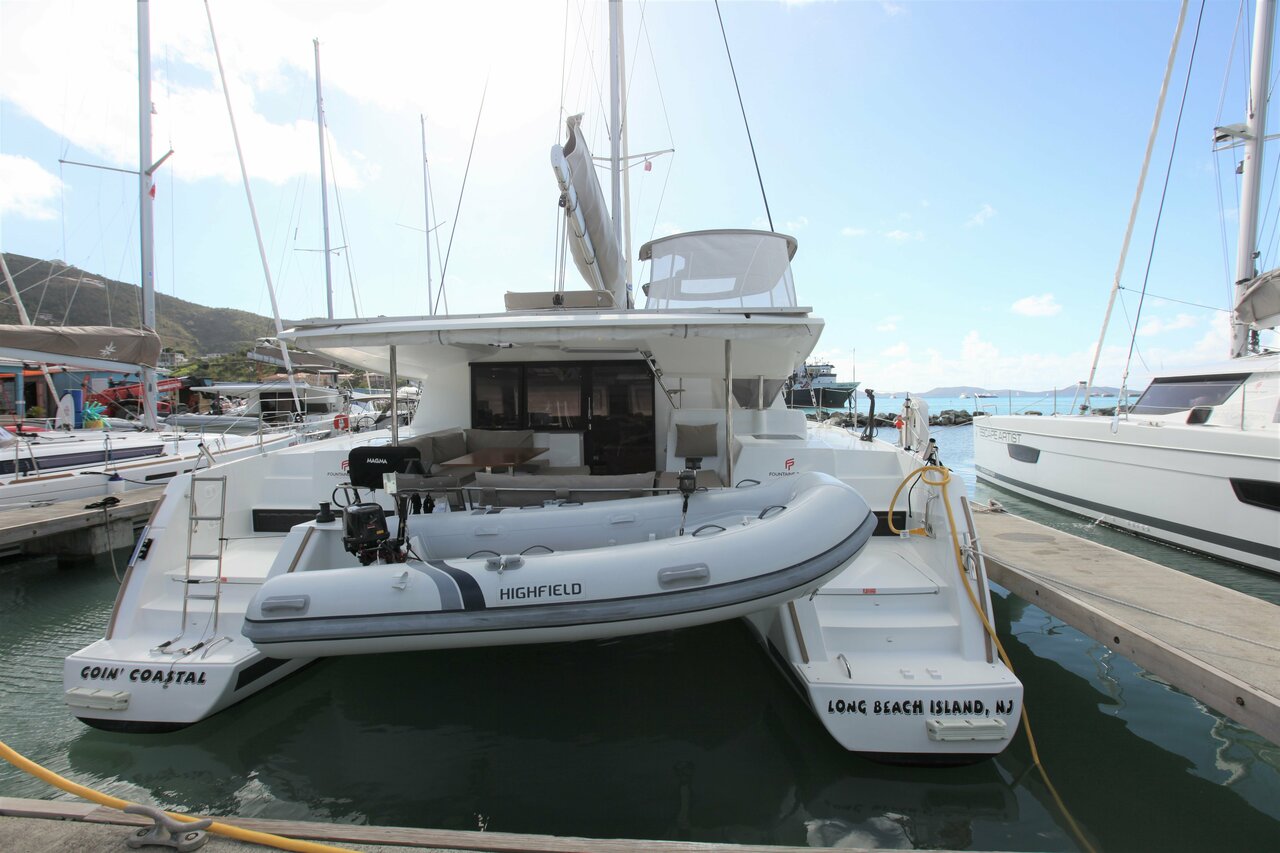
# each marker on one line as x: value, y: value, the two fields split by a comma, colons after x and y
x: 25, y: 524
x: 498, y: 842
x: 1214, y: 643
x: 55, y: 809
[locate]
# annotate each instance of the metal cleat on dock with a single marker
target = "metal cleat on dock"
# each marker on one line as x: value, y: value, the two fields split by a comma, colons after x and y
x: 168, y: 831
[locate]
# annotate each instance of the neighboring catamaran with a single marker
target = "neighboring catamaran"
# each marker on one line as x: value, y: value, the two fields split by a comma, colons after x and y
x: 1196, y: 461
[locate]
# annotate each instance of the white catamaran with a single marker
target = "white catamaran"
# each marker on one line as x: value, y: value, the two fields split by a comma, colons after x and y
x: 1196, y: 461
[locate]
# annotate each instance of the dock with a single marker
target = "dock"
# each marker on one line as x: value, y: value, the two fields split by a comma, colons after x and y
x: 1213, y: 643
x: 71, y: 529
x: 45, y: 826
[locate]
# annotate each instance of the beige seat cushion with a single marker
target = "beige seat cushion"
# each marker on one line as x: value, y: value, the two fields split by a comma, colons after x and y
x: 696, y: 440
x: 533, y: 489
x: 480, y: 439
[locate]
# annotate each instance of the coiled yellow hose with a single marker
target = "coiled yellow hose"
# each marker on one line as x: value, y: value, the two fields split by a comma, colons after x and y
x: 251, y: 836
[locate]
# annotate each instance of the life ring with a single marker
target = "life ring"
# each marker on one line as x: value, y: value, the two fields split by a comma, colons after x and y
x: 341, y: 422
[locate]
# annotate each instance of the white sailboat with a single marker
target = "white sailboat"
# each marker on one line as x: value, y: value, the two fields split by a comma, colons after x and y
x: 46, y: 466
x: 272, y: 405
x: 657, y: 480
x: 1196, y: 461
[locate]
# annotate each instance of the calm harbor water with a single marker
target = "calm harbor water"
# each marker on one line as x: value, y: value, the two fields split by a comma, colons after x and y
x: 683, y: 735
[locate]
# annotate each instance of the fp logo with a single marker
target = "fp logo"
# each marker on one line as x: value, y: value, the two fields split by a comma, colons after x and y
x: 345, y: 465
x: 789, y: 464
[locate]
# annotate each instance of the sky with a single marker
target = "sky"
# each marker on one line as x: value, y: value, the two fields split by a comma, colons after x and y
x: 959, y: 175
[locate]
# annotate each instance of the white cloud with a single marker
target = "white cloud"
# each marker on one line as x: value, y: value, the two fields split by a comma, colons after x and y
x: 889, y: 324
x: 850, y: 231
x: 26, y: 189
x: 974, y: 350
x: 266, y: 57
x: 898, y: 350
x: 796, y: 224
x: 893, y: 10
x: 1159, y: 325
x: 980, y: 218
x: 1043, y: 305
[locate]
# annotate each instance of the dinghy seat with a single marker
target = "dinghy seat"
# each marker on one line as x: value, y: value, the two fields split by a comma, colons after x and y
x: 695, y: 434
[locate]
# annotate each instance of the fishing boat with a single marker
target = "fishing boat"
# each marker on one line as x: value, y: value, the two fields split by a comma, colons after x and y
x: 1195, y: 462
x: 814, y: 385
x: 643, y: 453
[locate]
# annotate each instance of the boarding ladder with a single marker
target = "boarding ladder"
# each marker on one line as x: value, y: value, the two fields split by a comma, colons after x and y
x: 202, y: 580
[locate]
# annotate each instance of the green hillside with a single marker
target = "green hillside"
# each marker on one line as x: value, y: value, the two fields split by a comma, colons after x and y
x: 56, y: 294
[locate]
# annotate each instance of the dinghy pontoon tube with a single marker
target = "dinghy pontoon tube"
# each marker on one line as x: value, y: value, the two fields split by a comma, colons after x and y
x: 557, y: 573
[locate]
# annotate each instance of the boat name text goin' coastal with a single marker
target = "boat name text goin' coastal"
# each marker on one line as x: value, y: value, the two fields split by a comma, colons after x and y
x: 540, y: 591
x: 933, y: 707
x: 163, y: 677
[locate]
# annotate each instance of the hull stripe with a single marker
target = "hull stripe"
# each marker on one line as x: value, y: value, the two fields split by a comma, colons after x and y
x: 1222, y: 540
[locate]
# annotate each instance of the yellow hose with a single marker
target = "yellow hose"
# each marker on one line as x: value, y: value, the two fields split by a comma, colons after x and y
x: 248, y: 835
x: 941, y: 483
x: 915, y: 531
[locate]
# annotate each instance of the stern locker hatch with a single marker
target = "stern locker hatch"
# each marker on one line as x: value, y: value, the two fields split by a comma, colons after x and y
x: 882, y: 571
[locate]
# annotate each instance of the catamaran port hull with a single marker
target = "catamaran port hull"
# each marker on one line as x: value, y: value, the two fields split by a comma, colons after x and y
x: 151, y: 692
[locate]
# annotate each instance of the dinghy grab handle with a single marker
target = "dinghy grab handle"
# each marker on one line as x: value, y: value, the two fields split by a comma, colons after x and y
x: 681, y: 575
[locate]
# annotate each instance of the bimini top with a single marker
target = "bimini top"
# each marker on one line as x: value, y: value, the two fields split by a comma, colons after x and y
x: 720, y: 269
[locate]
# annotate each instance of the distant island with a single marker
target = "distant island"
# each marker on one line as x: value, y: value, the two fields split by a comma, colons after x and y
x: 1002, y: 393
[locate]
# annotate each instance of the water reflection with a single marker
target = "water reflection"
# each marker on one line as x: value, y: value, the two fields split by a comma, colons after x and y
x: 685, y: 735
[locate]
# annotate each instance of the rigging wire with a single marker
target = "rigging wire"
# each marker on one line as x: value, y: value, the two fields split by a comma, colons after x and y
x: 431, y: 199
x: 670, y: 136
x: 557, y: 283
x: 564, y: 56
x: 743, y: 107
x: 1164, y: 192
x: 342, y: 224
x: 1184, y: 302
x: 591, y: 66
x: 461, y: 192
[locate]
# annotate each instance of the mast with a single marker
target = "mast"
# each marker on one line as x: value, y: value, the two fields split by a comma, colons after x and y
x: 1251, y: 177
x: 145, y: 207
x: 324, y: 186
x: 1133, y: 210
x: 615, y: 140
x: 625, y: 161
x: 426, y: 212
x: 253, y: 213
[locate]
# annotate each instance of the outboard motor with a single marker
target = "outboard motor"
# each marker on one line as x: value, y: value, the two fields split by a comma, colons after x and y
x: 365, y: 531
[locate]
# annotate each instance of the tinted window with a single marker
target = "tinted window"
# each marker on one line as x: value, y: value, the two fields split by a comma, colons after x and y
x: 1177, y: 394
x: 495, y: 396
x: 554, y: 396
